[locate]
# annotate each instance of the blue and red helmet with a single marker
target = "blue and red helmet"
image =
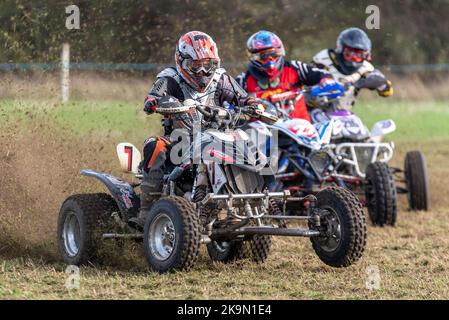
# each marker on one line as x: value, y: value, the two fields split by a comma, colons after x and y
x: 266, y: 52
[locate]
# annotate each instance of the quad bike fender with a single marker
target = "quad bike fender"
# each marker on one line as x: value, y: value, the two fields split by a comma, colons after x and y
x: 122, y: 192
x: 382, y: 128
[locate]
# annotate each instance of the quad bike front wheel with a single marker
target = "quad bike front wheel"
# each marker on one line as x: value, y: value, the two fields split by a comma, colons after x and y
x: 82, y: 220
x: 342, y: 227
x: 171, y: 235
x: 381, y: 196
x: 417, y: 182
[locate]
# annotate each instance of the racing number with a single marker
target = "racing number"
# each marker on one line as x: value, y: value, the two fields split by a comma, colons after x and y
x: 129, y: 151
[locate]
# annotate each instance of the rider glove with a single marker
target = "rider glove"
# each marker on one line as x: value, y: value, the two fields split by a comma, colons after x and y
x: 150, y: 104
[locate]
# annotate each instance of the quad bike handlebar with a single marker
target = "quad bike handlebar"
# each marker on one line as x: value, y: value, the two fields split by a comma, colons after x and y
x: 319, y: 94
x: 226, y: 116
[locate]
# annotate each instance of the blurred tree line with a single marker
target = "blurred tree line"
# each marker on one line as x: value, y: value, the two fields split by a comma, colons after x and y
x: 411, y: 31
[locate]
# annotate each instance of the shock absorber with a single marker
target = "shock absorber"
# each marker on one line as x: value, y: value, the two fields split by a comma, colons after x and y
x: 248, y: 209
x: 202, y: 175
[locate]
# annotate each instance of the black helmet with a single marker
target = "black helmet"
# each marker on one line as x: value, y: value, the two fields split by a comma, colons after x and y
x: 353, y: 47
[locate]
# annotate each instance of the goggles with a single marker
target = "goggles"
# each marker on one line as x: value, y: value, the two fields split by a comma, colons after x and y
x: 265, y: 56
x: 196, y: 66
x: 355, y: 55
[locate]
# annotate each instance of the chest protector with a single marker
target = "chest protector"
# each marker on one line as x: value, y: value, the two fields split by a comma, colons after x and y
x: 185, y: 120
x: 325, y: 58
x: 288, y: 81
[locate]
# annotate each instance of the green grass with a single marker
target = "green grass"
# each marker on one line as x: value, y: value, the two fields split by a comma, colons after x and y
x: 414, y: 120
x: 124, y: 120
x: 103, y: 116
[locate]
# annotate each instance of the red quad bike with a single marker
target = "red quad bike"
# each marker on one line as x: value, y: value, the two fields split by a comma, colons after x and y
x: 218, y: 200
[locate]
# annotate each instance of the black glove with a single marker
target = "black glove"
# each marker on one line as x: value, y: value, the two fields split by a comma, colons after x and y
x: 373, y: 81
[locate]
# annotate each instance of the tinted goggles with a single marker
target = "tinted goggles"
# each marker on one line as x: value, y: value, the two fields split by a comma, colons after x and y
x: 355, y: 55
x: 273, y: 54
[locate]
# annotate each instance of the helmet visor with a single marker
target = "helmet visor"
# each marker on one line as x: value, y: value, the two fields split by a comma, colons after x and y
x: 196, y: 66
x: 355, y: 55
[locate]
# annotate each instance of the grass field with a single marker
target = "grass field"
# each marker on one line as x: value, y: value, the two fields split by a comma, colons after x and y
x: 44, y: 145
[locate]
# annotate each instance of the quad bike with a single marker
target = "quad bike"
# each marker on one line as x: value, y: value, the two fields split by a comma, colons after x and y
x: 364, y: 168
x: 306, y: 161
x: 217, y: 200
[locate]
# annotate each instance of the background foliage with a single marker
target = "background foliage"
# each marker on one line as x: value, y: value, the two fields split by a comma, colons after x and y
x: 412, y: 31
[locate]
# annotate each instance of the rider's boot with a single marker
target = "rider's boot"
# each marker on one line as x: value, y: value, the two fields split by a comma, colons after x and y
x: 152, y: 182
x: 151, y: 188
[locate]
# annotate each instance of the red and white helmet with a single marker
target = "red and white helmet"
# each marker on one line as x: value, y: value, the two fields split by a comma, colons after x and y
x: 197, y: 59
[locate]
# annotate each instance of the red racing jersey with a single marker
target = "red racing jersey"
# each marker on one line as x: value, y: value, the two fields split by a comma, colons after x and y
x: 293, y: 77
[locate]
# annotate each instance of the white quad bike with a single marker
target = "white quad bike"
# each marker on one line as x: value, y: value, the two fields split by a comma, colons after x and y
x: 365, y: 170
x: 216, y: 201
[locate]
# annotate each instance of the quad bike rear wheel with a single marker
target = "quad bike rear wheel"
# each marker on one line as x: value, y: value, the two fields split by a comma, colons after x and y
x: 417, y: 182
x: 171, y: 235
x: 342, y: 226
x: 381, y: 196
x: 225, y: 251
x: 82, y: 220
x: 257, y: 248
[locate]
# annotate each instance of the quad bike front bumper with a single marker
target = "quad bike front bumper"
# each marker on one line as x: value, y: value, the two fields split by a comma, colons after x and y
x: 360, y: 154
x: 230, y: 201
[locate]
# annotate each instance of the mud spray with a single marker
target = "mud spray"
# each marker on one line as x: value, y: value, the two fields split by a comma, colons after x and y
x: 39, y: 168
